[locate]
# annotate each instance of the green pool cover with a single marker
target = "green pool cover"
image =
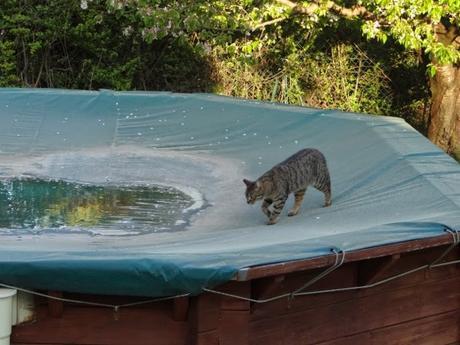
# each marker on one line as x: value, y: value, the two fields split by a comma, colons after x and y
x: 137, y: 193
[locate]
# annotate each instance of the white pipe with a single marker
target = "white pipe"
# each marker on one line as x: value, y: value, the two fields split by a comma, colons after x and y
x: 6, y: 313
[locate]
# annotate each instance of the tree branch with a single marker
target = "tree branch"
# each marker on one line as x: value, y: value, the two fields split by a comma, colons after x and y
x: 353, y: 12
x: 309, y: 10
x: 447, y: 35
x: 270, y: 22
x: 347, y: 12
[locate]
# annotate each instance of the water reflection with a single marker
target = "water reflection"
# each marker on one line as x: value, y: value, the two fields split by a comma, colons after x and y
x: 42, y: 205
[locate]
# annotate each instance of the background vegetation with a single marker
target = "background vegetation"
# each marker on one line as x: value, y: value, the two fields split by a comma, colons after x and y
x: 92, y: 45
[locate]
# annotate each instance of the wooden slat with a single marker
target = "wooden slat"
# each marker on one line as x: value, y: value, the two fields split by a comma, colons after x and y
x: 204, y: 320
x: 234, y: 328
x: 97, y: 326
x: 221, y: 320
x: 327, y: 260
x: 346, y: 276
x: 40, y: 344
x: 441, y: 329
x: 180, y: 308
x: 267, y: 287
x: 357, y: 315
x: 206, y: 338
x: 235, y: 315
x: 55, y: 307
x: 371, y: 271
x: 236, y: 288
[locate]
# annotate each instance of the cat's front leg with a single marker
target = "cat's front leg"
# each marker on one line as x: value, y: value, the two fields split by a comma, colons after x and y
x: 298, y: 202
x: 278, y: 205
x: 265, y: 205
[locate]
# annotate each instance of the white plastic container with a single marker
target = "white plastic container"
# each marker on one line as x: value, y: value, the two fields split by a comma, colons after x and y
x: 23, y: 308
x: 6, y: 313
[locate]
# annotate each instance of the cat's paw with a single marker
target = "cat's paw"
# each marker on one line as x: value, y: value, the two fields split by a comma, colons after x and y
x: 327, y: 204
x: 272, y: 221
x: 292, y: 213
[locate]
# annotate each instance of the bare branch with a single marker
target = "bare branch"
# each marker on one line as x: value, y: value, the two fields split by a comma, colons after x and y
x: 270, y: 22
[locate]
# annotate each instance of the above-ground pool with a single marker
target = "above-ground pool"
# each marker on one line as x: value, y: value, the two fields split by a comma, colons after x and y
x: 140, y: 193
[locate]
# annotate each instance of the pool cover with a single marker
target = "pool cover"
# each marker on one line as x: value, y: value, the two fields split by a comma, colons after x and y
x: 389, y: 183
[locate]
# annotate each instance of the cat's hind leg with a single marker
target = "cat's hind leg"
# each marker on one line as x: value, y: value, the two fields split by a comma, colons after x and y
x: 324, y: 185
x: 298, y: 202
x: 265, y: 205
x: 278, y: 205
x: 327, y: 197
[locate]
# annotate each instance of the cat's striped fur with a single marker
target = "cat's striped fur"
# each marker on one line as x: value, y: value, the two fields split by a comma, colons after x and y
x: 293, y: 175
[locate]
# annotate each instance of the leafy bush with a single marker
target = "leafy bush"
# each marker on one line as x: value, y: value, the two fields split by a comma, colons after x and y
x: 92, y: 45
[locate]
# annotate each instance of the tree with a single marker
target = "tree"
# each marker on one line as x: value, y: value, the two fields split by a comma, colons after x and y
x: 431, y: 27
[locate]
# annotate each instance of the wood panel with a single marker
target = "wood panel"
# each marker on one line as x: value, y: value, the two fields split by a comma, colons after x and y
x: 344, y: 276
x: 55, y: 307
x: 235, y: 315
x: 371, y: 271
x: 441, y: 329
x: 180, y: 308
x: 204, y: 320
x: 348, y: 275
x: 360, y: 314
x: 99, y: 326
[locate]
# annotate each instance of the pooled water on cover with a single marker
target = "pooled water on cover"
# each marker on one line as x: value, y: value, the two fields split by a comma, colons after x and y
x: 37, y: 205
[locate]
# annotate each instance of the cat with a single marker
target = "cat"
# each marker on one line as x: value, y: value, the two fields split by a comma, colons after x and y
x: 293, y: 175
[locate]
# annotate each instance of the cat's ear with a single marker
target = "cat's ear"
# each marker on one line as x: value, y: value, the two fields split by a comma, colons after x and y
x: 247, y: 182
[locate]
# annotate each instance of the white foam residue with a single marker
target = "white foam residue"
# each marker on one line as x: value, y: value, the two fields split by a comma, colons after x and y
x: 208, y: 181
x: 111, y: 232
x: 197, y: 197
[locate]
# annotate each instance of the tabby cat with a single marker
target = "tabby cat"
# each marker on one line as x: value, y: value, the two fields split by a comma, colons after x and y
x: 294, y: 175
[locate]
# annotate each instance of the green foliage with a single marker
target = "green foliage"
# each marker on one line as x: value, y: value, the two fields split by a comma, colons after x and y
x: 57, y: 44
x: 414, y: 24
x: 341, y: 76
x: 82, y: 44
x: 246, y: 48
x: 261, y: 39
x: 349, y: 80
x: 8, y: 75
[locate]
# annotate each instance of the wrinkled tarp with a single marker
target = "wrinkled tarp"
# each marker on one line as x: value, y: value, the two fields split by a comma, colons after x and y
x: 390, y: 184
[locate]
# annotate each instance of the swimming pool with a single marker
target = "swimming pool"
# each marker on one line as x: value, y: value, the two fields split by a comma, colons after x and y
x: 389, y: 183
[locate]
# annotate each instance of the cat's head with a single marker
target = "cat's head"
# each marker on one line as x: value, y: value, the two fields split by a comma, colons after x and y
x: 254, y: 191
